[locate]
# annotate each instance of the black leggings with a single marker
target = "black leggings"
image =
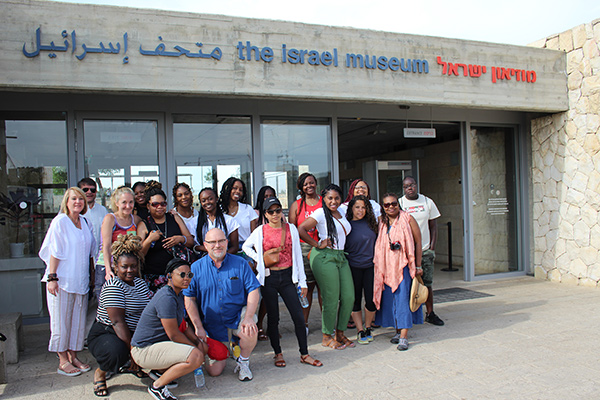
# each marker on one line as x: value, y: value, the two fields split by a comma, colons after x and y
x: 106, y: 347
x: 363, y: 281
x: 280, y: 282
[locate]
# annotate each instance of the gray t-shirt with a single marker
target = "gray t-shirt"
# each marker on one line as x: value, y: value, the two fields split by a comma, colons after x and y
x: 164, y: 305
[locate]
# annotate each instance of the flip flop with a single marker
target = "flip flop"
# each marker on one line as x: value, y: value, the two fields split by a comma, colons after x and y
x: 279, y: 361
x: 82, y: 367
x: 100, y: 389
x: 61, y: 370
x: 314, y: 363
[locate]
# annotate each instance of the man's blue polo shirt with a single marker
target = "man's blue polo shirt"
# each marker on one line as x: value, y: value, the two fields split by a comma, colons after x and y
x: 221, y: 292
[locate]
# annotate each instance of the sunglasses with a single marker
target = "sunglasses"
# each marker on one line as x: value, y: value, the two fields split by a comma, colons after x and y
x: 190, y: 275
x: 85, y: 190
x: 392, y: 204
x: 158, y: 203
x: 275, y: 211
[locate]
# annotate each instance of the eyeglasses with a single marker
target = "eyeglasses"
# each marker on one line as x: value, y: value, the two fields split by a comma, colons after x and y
x: 361, y: 187
x: 409, y: 185
x: 158, y: 203
x: 190, y: 275
x: 392, y: 204
x: 275, y: 211
x: 213, y: 243
x: 85, y: 190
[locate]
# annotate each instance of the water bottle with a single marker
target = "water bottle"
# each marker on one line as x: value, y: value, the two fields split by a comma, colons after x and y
x: 303, y: 299
x: 199, y: 378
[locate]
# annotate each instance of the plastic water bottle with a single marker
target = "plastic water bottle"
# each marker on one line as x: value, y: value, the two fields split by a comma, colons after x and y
x: 199, y: 378
x: 303, y: 299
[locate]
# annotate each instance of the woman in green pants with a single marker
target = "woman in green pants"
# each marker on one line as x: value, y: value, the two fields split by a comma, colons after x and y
x: 330, y: 267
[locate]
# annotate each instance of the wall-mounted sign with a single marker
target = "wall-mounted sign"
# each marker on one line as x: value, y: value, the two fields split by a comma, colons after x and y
x: 428, y: 133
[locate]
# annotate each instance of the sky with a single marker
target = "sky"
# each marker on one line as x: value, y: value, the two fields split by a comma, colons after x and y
x: 518, y: 22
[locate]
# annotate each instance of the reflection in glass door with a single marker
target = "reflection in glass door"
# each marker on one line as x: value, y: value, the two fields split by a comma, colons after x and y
x: 120, y: 152
x: 494, y: 194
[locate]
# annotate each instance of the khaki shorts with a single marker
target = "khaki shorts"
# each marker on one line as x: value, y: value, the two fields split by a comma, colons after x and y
x: 161, y: 355
x: 236, y: 332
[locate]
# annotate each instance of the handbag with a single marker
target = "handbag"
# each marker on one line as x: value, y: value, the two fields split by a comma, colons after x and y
x: 271, y: 256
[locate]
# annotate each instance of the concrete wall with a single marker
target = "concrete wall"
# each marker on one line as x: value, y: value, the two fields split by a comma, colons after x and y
x: 457, y: 79
x: 566, y: 168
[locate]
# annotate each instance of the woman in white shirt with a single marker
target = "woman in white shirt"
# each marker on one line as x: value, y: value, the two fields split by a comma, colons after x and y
x: 233, y: 203
x: 69, y: 250
x: 330, y: 266
x: 184, y: 199
x: 210, y: 216
x: 360, y: 188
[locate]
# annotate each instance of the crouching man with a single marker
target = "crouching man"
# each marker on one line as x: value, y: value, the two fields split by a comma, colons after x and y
x: 225, y: 290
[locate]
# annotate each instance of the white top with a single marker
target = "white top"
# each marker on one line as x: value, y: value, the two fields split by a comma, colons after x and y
x: 375, y: 205
x: 422, y: 209
x: 191, y: 223
x: 231, y: 224
x: 254, y: 249
x: 319, y: 216
x: 73, y: 247
x: 244, y: 215
x: 95, y: 216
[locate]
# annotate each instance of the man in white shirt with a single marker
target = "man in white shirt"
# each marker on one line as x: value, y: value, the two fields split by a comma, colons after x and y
x: 94, y: 215
x: 425, y: 212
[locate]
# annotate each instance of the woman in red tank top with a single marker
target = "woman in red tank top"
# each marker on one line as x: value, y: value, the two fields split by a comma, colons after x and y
x: 301, y: 209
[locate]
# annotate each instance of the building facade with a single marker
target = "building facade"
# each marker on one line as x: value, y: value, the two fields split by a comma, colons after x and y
x: 125, y: 95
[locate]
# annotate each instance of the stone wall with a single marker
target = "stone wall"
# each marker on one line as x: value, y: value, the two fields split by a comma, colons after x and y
x: 566, y: 168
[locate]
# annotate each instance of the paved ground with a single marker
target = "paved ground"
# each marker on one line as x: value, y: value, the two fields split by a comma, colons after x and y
x: 530, y: 340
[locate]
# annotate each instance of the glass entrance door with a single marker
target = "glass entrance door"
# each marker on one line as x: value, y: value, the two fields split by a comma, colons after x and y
x: 494, y: 194
x: 119, y: 152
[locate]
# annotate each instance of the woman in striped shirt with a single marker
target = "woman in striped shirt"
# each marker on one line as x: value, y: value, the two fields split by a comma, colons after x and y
x: 122, y: 300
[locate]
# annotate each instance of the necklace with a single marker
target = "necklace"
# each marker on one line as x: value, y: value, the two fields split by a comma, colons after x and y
x: 233, y: 213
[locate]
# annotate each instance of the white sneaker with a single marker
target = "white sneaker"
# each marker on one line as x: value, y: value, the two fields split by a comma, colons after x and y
x: 162, y: 393
x: 243, y: 370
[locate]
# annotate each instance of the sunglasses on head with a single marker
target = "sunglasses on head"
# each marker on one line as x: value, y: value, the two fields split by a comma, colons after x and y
x: 275, y: 211
x: 392, y: 204
x: 190, y: 275
x: 159, y: 203
x: 85, y: 190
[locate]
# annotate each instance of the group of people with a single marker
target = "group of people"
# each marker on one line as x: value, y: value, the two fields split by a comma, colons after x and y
x: 181, y: 288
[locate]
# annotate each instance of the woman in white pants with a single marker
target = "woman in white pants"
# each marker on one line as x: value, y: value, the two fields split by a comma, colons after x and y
x: 69, y: 251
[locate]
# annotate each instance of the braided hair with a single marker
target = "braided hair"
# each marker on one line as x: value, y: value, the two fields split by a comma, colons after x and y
x: 176, y: 188
x: 384, y: 217
x: 260, y: 200
x: 129, y: 246
x: 225, y: 196
x: 369, y: 214
x: 203, y: 217
x: 331, y: 228
x: 300, y: 184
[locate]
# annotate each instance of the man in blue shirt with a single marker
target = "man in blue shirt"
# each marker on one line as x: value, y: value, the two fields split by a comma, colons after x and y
x: 226, y: 291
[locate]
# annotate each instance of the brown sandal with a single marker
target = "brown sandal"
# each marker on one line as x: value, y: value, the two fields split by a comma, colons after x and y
x: 347, y: 342
x: 334, y: 344
x: 314, y: 363
x: 279, y: 361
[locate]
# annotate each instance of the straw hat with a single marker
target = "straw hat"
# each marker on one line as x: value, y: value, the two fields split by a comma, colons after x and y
x: 418, y: 293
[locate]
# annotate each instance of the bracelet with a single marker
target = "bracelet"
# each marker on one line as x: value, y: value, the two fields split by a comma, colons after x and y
x: 184, y: 239
x: 52, y: 279
x: 420, y: 268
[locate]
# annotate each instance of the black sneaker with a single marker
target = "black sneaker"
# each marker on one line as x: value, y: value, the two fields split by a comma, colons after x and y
x: 154, y: 375
x: 162, y: 393
x: 434, y: 319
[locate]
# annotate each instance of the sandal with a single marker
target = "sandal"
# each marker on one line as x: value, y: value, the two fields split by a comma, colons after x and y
x: 314, y: 363
x: 334, y: 344
x: 262, y: 335
x: 279, y: 361
x: 351, y: 324
x: 100, y: 389
x: 80, y: 365
x: 74, y: 370
x: 348, y: 342
x: 137, y: 372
